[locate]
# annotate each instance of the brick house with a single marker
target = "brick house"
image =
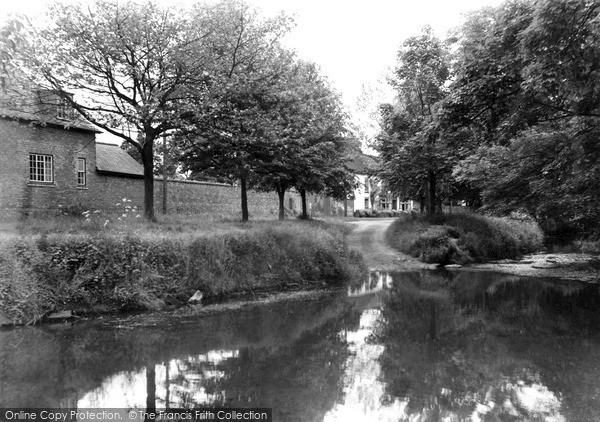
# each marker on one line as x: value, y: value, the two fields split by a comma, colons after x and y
x: 48, y: 157
x: 50, y: 160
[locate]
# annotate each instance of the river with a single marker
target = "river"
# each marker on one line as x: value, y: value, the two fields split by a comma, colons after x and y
x: 419, y: 346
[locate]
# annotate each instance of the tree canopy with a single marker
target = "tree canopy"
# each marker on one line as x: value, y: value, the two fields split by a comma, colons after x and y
x: 518, y: 115
x: 280, y: 127
x: 412, y: 144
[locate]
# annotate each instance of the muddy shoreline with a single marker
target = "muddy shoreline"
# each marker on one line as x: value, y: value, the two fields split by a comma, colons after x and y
x: 569, y: 266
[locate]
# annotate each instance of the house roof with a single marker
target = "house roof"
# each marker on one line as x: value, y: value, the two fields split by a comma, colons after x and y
x: 362, y: 164
x: 112, y: 159
x: 48, y: 120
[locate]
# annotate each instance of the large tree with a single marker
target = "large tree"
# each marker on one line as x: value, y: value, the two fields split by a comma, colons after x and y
x: 526, y: 92
x: 125, y: 67
x: 232, y: 124
x: 316, y: 143
x: 412, y: 144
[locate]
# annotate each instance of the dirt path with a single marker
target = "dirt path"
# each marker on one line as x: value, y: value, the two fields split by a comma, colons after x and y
x: 369, y: 238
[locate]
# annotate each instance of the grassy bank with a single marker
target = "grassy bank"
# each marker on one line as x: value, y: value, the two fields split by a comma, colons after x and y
x: 75, y: 265
x: 463, y: 238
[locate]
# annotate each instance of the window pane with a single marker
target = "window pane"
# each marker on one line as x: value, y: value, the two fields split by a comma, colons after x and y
x: 40, y: 168
x: 81, y: 179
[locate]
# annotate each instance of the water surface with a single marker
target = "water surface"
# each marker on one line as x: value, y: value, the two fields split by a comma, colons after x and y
x: 416, y: 346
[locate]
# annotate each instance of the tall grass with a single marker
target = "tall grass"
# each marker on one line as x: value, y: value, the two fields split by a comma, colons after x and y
x: 463, y: 238
x: 149, y: 266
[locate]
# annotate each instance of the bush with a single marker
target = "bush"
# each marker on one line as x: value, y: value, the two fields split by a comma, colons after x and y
x: 112, y: 272
x: 375, y: 213
x: 463, y: 238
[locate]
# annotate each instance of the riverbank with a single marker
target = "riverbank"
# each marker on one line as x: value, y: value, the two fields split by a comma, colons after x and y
x: 53, y: 267
x: 369, y: 236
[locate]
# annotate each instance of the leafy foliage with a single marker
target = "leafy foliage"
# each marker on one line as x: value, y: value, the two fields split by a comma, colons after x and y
x: 274, y: 126
x: 525, y: 91
x: 515, y: 129
x: 411, y: 144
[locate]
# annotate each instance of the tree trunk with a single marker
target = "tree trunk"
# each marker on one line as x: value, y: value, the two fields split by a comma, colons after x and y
x: 304, y: 210
x: 431, y: 197
x: 422, y: 204
x: 164, y: 172
x: 244, y: 200
x: 148, y: 162
x: 281, y: 195
x: 345, y: 207
x: 167, y: 386
x: 150, y: 389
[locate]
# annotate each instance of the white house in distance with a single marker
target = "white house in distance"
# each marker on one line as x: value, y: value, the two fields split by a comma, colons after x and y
x: 368, y: 193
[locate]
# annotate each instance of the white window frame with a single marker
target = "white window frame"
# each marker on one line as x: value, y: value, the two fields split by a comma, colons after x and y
x: 81, y: 172
x: 41, y: 168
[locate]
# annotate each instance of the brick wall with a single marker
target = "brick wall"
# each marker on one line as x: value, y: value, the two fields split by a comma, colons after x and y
x: 189, y: 198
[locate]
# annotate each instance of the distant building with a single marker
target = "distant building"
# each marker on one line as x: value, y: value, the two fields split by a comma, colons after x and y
x: 369, y: 193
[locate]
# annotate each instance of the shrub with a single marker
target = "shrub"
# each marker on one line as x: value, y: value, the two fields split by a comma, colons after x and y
x: 463, y: 238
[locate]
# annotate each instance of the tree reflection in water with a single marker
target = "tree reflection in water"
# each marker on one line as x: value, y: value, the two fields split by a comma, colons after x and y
x: 484, y: 346
x: 406, y: 346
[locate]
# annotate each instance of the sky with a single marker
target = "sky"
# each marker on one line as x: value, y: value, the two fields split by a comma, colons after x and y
x: 353, y: 42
